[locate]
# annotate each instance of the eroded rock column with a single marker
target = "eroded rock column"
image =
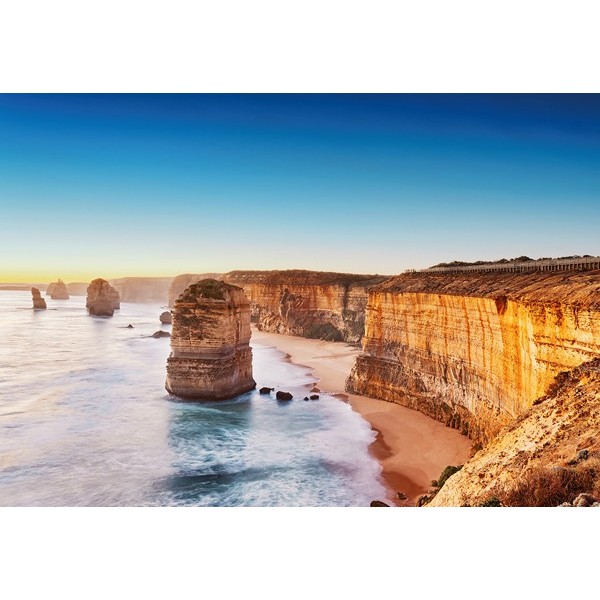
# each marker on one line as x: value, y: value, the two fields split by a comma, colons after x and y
x: 211, y: 358
x: 102, y: 299
x: 38, y: 302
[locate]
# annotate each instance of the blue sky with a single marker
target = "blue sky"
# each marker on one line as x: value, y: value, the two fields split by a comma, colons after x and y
x: 114, y: 185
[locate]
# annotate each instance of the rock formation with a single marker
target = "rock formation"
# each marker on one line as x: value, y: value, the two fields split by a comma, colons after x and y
x: 166, y: 318
x: 475, y: 350
x: 57, y: 290
x: 102, y: 299
x: 550, y: 455
x: 38, y: 302
x: 182, y: 282
x: 210, y: 354
x: 311, y: 304
x: 77, y: 288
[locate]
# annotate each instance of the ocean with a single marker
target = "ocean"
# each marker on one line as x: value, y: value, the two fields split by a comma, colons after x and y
x: 85, y: 421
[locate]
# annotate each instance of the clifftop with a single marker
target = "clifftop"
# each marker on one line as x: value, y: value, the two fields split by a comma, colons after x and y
x: 572, y: 287
x: 302, y: 277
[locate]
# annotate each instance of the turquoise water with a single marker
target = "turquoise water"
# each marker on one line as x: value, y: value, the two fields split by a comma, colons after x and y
x: 85, y: 421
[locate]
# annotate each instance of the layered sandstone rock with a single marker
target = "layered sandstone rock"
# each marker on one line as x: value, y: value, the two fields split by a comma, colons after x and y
x: 38, y: 302
x: 210, y: 354
x: 143, y: 289
x: 556, y: 444
x: 475, y: 351
x: 311, y: 304
x: 57, y: 290
x: 102, y: 299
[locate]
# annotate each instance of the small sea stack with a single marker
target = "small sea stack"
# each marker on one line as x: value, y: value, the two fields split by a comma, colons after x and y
x: 166, y: 318
x: 38, y: 302
x: 102, y: 299
x: 57, y: 290
x: 211, y: 358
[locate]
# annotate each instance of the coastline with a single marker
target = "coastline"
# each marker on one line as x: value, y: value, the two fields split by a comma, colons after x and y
x: 411, y: 448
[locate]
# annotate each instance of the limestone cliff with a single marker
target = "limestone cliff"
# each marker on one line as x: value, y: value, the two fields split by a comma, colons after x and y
x: 472, y: 350
x: 549, y: 455
x: 102, y: 299
x: 211, y: 358
x: 143, y: 289
x: 310, y: 304
x: 77, y: 288
x: 57, y: 290
x: 38, y: 302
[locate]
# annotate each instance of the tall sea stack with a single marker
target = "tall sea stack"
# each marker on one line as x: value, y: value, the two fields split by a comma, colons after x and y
x: 102, y: 299
x: 38, y: 302
x: 210, y: 354
x: 57, y: 290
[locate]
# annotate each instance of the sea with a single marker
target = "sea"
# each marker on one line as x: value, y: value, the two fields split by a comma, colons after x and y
x: 85, y: 420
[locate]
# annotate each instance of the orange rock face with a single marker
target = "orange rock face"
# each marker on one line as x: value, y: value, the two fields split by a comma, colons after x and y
x: 38, y: 302
x: 310, y: 304
x: 102, y: 299
x: 475, y: 351
x: 210, y: 354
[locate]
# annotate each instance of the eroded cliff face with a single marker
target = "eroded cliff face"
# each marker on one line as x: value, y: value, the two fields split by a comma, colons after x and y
x: 310, y: 304
x: 475, y: 351
x: 550, y: 454
x: 211, y: 358
x: 143, y: 289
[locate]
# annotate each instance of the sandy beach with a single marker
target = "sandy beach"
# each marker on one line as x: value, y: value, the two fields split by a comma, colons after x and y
x: 412, y: 448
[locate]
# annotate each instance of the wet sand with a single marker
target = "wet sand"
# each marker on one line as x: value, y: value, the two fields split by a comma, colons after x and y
x: 412, y: 448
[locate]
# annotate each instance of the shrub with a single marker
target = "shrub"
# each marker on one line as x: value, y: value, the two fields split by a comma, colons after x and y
x: 493, y: 501
x: 447, y: 472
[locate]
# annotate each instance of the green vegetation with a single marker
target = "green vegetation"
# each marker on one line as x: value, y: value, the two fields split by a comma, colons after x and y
x: 493, y: 501
x: 207, y: 288
x: 446, y: 473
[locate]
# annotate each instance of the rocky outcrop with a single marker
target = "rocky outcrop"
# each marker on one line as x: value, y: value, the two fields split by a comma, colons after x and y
x: 211, y: 358
x: 476, y: 350
x: 549, y: 456
x: 182, y: 282
x: 102, y: 299
x: 311, y: 304
x: 38, y: 302
x: 166, y: 318
x: 57, y: 290
x: 143, y: 289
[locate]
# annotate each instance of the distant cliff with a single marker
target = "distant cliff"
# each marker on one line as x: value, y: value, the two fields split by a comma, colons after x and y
x: 310, y: 304
x: 143, y: 289
x: 475, y: 350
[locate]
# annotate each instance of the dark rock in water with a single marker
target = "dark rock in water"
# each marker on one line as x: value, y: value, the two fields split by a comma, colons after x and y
x: 378, y: 503
x: 283, y: 396
x: 314, y: 397
x: 401, y: 496
x: 130, y: 326
x: 38, y: 302
x: 161, y: 334
x: 315, y: 389
x: 305, y: 398
x: 265, y: 390
x: 166, y: 318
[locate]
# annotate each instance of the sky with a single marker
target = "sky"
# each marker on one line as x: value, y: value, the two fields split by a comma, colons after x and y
x: 157, y: 185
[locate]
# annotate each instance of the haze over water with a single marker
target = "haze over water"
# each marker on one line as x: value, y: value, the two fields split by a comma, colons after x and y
x: 85, y: 421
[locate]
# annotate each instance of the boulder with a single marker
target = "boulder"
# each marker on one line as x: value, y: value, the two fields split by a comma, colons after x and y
x: 378, y: 503
x: 161, y: 334
x: 283, y: 395
x: 38, y: 302
x: 166, y: 318
x: 314, y: 397
x: 265, y: 390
